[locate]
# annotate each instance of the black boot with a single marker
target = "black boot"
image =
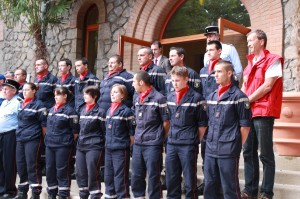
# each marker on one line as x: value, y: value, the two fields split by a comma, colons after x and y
x: 35, y: 196
x: 21, y: 195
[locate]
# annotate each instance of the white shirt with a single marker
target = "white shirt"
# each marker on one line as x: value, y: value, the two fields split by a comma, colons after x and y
x: 158, y: 59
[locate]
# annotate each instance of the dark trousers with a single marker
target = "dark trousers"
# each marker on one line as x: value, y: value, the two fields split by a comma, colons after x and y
x: 221, y: 172
x: 260, y: 137
x: 88, y: 173
x: 146, y: 159
x: 8, y: 163
x: 28, y: 156
x: 116, y: 173
x: 181, y: 159
x: 58, y: 170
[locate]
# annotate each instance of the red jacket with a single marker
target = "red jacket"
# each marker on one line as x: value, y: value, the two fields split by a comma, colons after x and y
x: 270, y: 104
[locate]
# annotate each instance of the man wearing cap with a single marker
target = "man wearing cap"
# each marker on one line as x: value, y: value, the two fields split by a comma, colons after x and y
x: 2, y: 79
x: 229, y: 52
x: 8, y: 125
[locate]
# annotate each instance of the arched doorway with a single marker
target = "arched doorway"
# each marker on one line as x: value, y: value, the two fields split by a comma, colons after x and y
x: 90, y: 32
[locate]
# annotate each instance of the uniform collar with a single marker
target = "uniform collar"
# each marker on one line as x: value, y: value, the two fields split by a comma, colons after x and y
x: 184, y: 99
x: 119, y: 109
x: 227, y: 94
x: 114, y: 74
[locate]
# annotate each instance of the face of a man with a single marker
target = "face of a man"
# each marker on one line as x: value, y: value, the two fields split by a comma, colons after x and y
x: 254, y: 44
x: 143, y: 57
x: 19, y: 77
x: 179, y: 82
x: 113, y: 65
x: 40, y: 66
x: 8, y: 92
x: 222, y: 76
x: 212, y: 52
x: 80, y: 67
x: 156, y: 50
x: 63, y: 67
x: 175, y: 59
x: 212, y: 37
x: 136, y: 84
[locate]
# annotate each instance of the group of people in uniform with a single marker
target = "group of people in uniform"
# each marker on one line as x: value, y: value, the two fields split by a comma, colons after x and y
x: 166, y: 107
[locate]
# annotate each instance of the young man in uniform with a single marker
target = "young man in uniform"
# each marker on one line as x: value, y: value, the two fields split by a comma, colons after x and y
x: 152, y: 124
x: 20, y: 77
x: 157, y: 74
x: 229, y: 52
x: 188, y: 124
x: 177, y: 58
x: 229, y: 119
x: 85, y: 79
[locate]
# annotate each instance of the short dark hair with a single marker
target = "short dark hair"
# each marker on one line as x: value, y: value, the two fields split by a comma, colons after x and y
x: 180, y: 71
x: 144, y: 76
x: 83, y: 60
x: 62, y: 91
x: 216, y: 43
x: 118, y: 58
x: 180, y: 51
x: 260, y: 35
x: 227, y: 65
x: 157, y: 43
x: 45, y: 61
x: 122, y: 89
x: 23, y: 71
x: 68, y: 62
x: 32, y: 86
x: 93, y: 91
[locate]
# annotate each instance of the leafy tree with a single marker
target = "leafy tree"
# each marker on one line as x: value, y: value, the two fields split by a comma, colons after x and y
x: 193, y: 17
x: 37, y: 16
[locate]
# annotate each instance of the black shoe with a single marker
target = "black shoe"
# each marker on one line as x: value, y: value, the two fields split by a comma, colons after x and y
x: 51, y: 197
x: 6, y: 196
x: 200, y: 189
x: 21, y: 195
x: 62, y: 197
x: 35, y: 196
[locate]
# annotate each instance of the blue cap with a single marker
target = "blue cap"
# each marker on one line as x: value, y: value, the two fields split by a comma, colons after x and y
x: 2, y: 77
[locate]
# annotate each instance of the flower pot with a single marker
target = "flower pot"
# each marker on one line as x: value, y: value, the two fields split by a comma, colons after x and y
x: 286, y: 135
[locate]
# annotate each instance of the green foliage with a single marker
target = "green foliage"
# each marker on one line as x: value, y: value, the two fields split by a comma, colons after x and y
x: 192, y: 18
x: 37, y: 16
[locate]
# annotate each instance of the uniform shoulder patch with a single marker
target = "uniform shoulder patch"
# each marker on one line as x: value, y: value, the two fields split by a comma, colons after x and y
x: 45, y: 113
x: 75, y: 120
x: 197, y: 84
x: 204, y: 106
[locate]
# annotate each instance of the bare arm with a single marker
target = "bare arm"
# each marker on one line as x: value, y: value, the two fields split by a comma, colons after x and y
x: 244, y: 133
x: 75, y: 135
x: 166, y: 125
x: 201, y: 131
x: 263, y: 89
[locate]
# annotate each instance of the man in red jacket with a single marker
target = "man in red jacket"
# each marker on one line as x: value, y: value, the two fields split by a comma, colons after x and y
x: 263, y: 86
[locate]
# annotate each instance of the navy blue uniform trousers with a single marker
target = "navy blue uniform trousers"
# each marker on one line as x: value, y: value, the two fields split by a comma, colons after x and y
x: 28, y: 155
x: 8, y: 163
x: 181, y: 159
x: 221, y: 171
x: 58, y: 170
x: 88, y: 172
x: 116, y: 173
x: 146, y: 159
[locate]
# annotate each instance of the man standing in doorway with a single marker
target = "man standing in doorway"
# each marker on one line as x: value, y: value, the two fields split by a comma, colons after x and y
x: 229, y: 52
x: 159, y: 58
x: 263, y: 86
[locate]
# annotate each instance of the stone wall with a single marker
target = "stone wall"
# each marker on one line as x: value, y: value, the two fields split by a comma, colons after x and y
x: 291, y: 74
x: 17, y: 46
